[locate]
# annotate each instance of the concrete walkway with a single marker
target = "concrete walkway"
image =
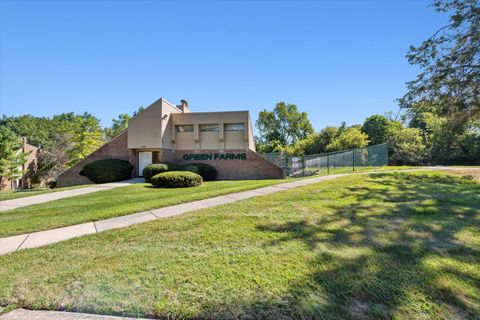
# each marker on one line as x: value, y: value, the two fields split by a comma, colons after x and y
x: 41, y: 198
x: 22, y: 314
x: 41, y: 238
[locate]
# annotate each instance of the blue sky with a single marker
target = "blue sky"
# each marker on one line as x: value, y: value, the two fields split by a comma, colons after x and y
x: 337, y: 60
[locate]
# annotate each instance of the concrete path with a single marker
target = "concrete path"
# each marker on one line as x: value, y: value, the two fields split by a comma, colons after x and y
x: 22, y: 314
x: 41, y: 198
x: 41, y: 238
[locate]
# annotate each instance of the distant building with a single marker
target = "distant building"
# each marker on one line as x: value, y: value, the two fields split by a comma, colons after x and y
x: 30, y: 168
x: 165, y: 132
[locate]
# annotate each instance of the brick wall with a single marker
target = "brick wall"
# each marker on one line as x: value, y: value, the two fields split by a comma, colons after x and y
x: 253, y: 167
x: 114, y: 149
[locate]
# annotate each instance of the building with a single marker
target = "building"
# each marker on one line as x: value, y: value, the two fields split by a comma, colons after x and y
x: 165, y: 132
x: 30, y: 168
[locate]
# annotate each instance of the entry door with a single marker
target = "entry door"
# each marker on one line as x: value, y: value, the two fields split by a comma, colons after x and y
x: 144, y: 159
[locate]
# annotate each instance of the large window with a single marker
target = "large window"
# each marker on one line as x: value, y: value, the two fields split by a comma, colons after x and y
x: 184, y: 128
x: 213, y: 127
x: 234, y: 127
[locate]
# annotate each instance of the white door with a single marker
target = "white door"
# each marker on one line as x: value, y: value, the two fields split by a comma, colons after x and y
x: 144, y: 159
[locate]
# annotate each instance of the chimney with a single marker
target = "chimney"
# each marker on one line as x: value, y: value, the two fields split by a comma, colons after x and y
x: 184, y: 106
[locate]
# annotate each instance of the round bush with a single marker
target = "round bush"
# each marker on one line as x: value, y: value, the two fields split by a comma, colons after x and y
x: 107, y: 170
x: 156, y: 168
x: 176, y: 179
x: 153, y: 169
x: 207, y: 172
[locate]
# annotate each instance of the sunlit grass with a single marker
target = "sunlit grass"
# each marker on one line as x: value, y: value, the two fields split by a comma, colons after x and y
x: 382, y: 246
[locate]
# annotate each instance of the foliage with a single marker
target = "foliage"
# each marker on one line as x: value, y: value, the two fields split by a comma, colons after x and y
x: 153, y: 169
x: 285, y: 125
x: 11, y: 155
x: 107, y: 170
x: 207, y: 172
x: 118, y: 125
x: 450, y: 65
x: 177, y: 179
x: 350, y: 138
x: 376, y: 127
x: 406, y: 147
x: 52, y: 159
x: 87, y: 137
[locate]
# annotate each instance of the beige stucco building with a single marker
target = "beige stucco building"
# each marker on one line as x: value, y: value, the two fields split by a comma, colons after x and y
x: 166, y: 132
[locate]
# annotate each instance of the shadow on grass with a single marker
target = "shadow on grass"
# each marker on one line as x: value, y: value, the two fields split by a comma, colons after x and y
x: 383, y: 261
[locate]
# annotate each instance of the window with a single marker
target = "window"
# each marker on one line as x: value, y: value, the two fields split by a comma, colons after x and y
x: 209, y: 127
x: 234, y: 127
x: 184, y: 128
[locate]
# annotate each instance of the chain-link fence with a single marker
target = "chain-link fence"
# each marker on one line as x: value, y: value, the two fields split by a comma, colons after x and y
x: 371, y: 156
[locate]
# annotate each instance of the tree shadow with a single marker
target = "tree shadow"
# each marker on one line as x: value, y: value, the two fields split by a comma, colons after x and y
x: 404, y: 254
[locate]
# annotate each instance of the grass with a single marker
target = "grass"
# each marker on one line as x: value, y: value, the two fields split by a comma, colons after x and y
x: 111, y: 203
x: 125, y: 200
x: 15, y: 194
x: 380, y: 246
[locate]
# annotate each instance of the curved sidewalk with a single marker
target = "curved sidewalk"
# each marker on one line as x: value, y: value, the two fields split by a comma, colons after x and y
x: 41, y: 198
x: 41, y: 238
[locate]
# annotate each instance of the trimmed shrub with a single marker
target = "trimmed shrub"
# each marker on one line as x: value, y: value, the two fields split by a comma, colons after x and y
x: 107, y: 170
x: 156, y: 168
x: 153, y: 169
x: 207, y: 172
x: 176, y: 179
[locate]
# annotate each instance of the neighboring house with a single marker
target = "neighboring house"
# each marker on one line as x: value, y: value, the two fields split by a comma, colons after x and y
x: 165, y: 132
x: 30, y: 167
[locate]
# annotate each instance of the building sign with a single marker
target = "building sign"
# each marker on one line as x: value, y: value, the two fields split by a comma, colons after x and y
x: 215, y: 156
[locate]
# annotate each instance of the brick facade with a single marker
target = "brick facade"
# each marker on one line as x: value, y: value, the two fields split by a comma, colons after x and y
x: 253, y: 167
x: 114, y: 149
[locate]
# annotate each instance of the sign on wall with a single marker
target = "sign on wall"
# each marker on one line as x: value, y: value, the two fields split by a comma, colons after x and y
x: 215, y: 156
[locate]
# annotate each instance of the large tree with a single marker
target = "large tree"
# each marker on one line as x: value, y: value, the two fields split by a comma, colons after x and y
x: 450, y: 65
x: 283, y: 126
x: 376, y: 127
x: 118, y: 125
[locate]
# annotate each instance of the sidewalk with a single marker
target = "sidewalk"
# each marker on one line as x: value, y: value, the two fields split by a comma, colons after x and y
x: 41, y: 198
x: 41, y: 238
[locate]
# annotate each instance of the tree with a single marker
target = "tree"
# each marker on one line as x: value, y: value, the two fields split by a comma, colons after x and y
x: 11, y: 155
x: 350, y: 138
x: 285, y: 125
x: 376, y: 127
x: 118, y: 125
x: 450, y: 65
x: 406, y: 146
x: 87, y: 137
x: 52, y: 160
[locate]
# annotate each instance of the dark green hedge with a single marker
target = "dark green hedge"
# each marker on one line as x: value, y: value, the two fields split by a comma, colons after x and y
x: 207, y: 172
x: 176, y: 179
x: 107, y: 170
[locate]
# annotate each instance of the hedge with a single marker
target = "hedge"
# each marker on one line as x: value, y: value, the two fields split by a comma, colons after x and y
x: 107, y: 170
x: 176, y: 179
x: 156, y: 168
x: 207, y: 172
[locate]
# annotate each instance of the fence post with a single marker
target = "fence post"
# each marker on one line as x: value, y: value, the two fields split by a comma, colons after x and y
x: 328, y: 164
x: 353, y: 162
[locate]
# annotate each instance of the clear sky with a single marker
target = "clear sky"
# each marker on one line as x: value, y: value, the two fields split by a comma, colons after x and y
x: 337, y: 60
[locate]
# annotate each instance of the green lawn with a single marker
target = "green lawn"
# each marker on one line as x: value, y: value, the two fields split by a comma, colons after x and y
x: 8, y: 195
x: 111, y: 203
x: 381, y: 246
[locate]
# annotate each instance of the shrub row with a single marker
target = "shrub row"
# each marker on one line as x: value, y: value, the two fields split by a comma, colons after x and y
x: 206, y: 171
x: 107, y: 170
x: 176, y: 179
